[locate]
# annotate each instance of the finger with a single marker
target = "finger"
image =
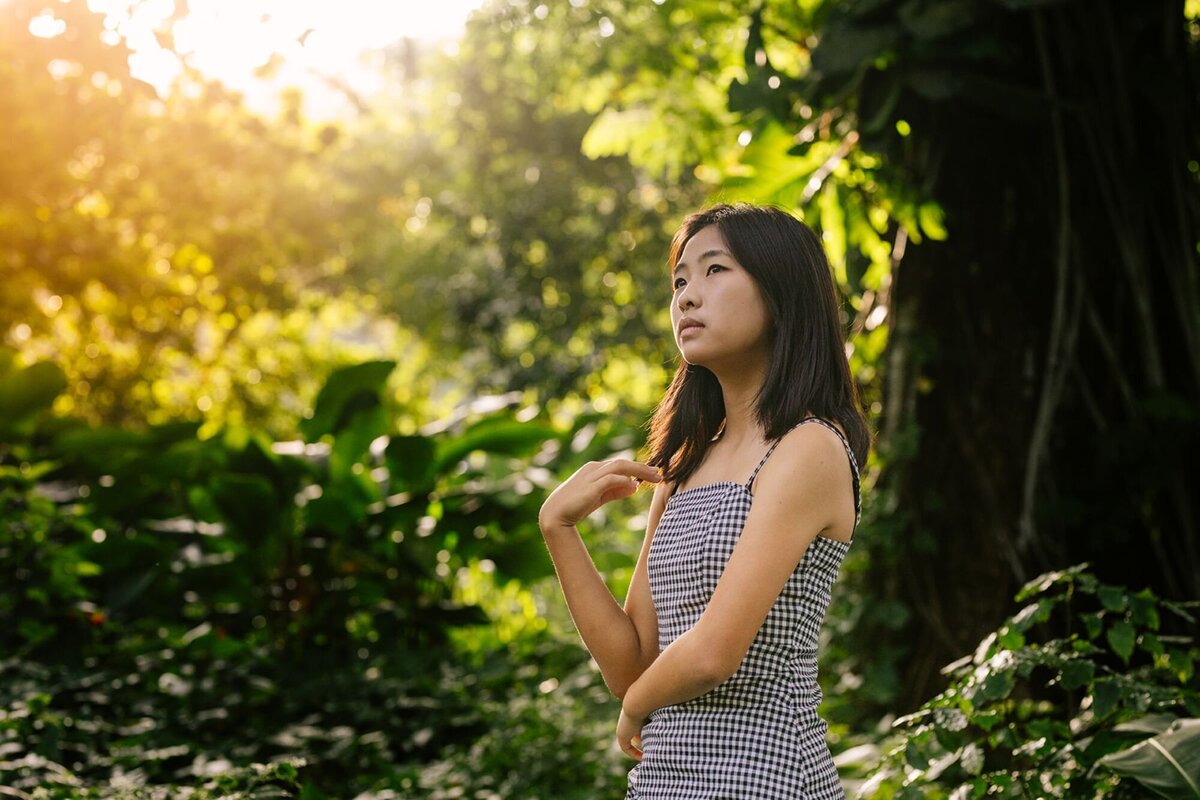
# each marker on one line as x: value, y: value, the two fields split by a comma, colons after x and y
x: 614, y: 487
x: 635, y: 469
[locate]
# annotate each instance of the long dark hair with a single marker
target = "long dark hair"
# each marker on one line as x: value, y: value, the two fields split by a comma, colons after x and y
x: 808, y: 370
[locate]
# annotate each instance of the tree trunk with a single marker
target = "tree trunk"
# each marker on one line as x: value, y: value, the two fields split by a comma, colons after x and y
x: 1046, y: 355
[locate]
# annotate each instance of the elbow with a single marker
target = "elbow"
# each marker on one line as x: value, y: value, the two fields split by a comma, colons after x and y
x: 618, y: 684
x: 618, y: 688
x: 711, y: 667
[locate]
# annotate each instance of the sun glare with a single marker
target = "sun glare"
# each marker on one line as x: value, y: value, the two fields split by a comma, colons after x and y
x: 46, y: 26
x: 259, y: 47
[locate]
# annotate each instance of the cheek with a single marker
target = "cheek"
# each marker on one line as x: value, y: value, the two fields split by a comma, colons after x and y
x: 762, y: 315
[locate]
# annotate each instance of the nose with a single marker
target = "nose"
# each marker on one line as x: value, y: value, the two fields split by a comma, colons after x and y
x: 685, y: 298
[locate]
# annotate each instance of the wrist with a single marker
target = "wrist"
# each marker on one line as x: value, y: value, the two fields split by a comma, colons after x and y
x: 630, y: 709
x: 553, y: 528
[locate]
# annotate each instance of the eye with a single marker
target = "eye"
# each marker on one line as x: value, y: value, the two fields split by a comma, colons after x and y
x: 675, y: 283
x: 711, y: 267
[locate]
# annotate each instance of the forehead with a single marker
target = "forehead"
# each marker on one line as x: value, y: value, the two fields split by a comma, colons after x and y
x: 704, y: 243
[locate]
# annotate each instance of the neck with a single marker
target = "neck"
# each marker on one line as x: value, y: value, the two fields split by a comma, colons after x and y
x: 739, y: 385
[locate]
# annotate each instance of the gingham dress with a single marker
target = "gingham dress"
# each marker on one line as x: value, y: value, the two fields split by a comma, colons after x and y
x: 757, y: 735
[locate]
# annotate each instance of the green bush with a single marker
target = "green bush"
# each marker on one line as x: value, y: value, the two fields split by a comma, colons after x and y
x: 1052, y: 703
x: 235, y: 617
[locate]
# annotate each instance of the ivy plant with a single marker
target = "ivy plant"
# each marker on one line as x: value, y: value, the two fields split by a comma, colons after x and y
x: 1089, y: 690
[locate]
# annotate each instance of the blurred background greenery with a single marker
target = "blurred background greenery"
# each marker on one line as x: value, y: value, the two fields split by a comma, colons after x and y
x: 306, y: 308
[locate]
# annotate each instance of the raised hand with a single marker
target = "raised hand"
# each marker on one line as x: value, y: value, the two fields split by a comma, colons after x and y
x: 593, y: 485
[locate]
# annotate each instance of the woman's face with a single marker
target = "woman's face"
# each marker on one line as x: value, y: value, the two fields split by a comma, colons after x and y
x: 717, y: 312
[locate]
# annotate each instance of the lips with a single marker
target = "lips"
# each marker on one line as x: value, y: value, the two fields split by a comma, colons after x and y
x: 686, y: 324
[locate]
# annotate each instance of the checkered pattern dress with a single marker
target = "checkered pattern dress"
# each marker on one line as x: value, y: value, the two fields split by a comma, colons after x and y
x: 757, y: 735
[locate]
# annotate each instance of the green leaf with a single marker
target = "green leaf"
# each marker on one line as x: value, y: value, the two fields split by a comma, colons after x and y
x: 986, y: 720
x: 1105, y: 696
x: 1151, y: 644
x: 1168, y: 763
x: 997, y: 686
x: 1150, y: 724
x: 1035, y: 613
x: 931, y: 218
x: 1094, y: 624
x: 109, y: 448
x: 1112, y: 598
x: 914, y: 756
x: 1011, y: 638
x: 1143, y: 610
x: 26, y: 391
x: 86, y: 568
x: 1181, y: 664
x: 1121, y: 638
x: 1077, y: 673
x: 769, y: 170
x: 613, y: 132
x: 351, y: 444
x: 502, y: 435
x: 346, y: 392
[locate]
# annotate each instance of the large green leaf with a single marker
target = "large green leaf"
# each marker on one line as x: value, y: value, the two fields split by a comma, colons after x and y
x: 1121, y: 637
x: 353, y: 440
x: 346, y: 392
x: 90, y: 440
x: 24, y: 392
x: 502, y: 435
x: 1168, y: 763
x: 769, y: 169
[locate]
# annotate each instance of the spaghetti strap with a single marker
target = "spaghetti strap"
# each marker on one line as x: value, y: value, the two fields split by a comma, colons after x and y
x: 849, y: 452
x: 766, y: 455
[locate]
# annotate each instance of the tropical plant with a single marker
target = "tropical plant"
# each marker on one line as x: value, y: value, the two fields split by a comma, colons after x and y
x: 183, y: 609
x: 1084, y: 692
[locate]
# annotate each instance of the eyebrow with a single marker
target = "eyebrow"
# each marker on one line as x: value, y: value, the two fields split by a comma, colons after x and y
x: 708, y: 254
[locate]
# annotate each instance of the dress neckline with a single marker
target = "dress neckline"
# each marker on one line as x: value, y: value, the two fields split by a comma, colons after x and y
x: 680, y: 492
x: 741, y: 486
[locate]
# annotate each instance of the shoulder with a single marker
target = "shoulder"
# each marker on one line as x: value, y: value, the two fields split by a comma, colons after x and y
x: 812, y: 439
x: 809, y: 460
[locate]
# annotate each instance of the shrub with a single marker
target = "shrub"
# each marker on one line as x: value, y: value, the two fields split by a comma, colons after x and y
x: 1034, y: 715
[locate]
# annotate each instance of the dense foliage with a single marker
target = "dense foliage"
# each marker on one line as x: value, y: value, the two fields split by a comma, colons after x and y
x: 283, y: 396
x: 1064, y: 714
x: 186, y: 607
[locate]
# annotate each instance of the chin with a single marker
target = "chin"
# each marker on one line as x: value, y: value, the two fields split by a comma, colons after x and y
x: 697, y: 361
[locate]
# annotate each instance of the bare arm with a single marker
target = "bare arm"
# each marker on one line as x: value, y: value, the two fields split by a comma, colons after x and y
x: 623, y: 641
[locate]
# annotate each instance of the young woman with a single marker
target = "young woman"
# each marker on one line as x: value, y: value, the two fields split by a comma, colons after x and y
x: 754, y: 455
